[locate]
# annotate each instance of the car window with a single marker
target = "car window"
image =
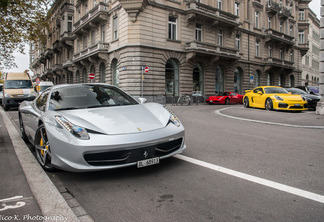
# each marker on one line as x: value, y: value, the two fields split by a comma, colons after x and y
x: 257, y: 90
x: 272, y: 90
x: 41, y: 101
x: 233, y: 94
x: 88, y: 96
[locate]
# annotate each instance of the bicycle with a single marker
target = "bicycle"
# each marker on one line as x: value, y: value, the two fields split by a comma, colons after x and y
x: 184, y: 100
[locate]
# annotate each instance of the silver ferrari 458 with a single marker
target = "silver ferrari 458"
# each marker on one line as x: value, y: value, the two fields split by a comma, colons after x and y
x: 87, y: 127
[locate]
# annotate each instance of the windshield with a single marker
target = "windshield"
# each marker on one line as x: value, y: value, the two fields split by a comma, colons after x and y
x: 272, y: 90
x: 314, y: 89
x: 296, y: 91
x: 88, y: 96
x: 18, y: 84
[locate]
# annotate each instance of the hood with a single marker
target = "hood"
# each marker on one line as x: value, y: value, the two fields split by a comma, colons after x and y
x: 290, y: 97
x: 120, y: 119
x: 310, y: 96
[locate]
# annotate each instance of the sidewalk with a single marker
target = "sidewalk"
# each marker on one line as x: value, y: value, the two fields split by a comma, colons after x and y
x: 27, y: 194
x: 17, y: 202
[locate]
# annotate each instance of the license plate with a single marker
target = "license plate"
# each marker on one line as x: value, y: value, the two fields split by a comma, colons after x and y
x: 297, y: 104
x: 148, y: 162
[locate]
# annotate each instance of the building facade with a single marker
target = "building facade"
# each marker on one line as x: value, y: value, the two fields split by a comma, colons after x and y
x: 200, y: 46
x: 310, y: 61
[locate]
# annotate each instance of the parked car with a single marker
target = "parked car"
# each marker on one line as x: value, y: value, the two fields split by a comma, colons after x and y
x: 310, y: 98
x: 87, y: 127
x: 273, y: 98
x: 310, y: 89
x: 226, y: 98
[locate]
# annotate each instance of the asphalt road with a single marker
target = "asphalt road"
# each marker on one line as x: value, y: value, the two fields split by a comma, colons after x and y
x: 232, y: 170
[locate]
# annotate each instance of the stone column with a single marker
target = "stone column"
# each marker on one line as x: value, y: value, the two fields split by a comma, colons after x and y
x: 320, y: 104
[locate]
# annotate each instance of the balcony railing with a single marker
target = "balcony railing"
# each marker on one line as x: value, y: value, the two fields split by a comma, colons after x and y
x: 273, y: 35
x: 92, y: 50
x: 284, y: 13
x: 279, y: 62
x: 92, y: 16
x: 212, y: 49
x: 209, y: 12
x: 272, y: 7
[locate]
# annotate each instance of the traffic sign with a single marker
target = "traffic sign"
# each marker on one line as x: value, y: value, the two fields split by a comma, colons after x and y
x: 91, y: 76
x: 146, y: 69
x: 37, y: 81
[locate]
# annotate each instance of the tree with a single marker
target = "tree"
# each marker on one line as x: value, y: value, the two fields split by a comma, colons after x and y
x: 21, y: 21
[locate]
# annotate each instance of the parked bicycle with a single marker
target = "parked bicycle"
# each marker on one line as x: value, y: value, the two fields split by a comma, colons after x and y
x: 184, y: 100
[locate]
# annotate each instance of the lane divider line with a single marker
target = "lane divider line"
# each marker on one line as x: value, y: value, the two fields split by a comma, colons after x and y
x: 218, y: 112
x: 258, y: 180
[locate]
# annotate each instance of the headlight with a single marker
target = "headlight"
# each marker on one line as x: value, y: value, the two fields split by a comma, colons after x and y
x: 174, y: 120
x: 278, y: 98
x: 6, y: 95
x: 77, y: 131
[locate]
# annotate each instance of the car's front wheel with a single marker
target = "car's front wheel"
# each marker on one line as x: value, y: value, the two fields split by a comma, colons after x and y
x: 269, y: 104
x: 227, y: 101
x: 43, y: 149
x: 246, y: 102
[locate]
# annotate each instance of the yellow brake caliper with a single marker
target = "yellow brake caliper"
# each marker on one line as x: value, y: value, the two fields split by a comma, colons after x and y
x: 41, y: 143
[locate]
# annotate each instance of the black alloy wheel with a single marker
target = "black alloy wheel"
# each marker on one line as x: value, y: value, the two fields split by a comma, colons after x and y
x: 42, y: 148
x: 269, y: 104
x: 246, y: 102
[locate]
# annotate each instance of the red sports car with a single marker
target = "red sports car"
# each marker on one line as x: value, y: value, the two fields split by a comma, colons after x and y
x: 227, y: 98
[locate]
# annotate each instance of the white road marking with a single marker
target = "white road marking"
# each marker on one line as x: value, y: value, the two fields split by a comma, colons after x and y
x: 258, y: 180
x: 218, y: 112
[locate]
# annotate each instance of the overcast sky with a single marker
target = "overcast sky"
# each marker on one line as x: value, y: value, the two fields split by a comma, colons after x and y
x: 22, y: 61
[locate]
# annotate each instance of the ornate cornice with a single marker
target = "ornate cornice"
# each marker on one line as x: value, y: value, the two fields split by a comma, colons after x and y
x: 133, y: 7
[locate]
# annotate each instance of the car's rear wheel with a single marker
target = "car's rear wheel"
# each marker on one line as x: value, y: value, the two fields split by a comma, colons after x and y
x: 43, y: 149
x: 269, y: 104
x: 246, y: 102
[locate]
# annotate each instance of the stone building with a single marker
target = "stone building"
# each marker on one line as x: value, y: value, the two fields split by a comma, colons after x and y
x: 201, y: 46
x: 310, y: 61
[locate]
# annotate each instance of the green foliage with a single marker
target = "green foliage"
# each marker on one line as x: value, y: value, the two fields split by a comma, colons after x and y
x: 21, y: 21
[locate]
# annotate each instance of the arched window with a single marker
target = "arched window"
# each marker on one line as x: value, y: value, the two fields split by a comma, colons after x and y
x: 292, y: 81
x: 282, y: 80
x: 85, y: 75
x: 70, y: 78
x: 307, y: 80
x: 198, y: 79
x: 77, y: 75
x: 270, y: 79
x: 257, y: 76
x: 237, y: 80
x: 172, y: 78
x: 102, y: 69
x: 219, y: 86
x: 115, y: 72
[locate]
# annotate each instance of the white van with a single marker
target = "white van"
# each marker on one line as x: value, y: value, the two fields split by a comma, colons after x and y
x: 17, y: 87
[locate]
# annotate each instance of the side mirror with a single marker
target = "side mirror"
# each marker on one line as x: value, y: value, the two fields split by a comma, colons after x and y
x: 260, y: 93
x: 142, y: 100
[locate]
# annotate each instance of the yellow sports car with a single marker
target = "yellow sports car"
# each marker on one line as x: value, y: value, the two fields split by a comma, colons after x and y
x: 273, y: 97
